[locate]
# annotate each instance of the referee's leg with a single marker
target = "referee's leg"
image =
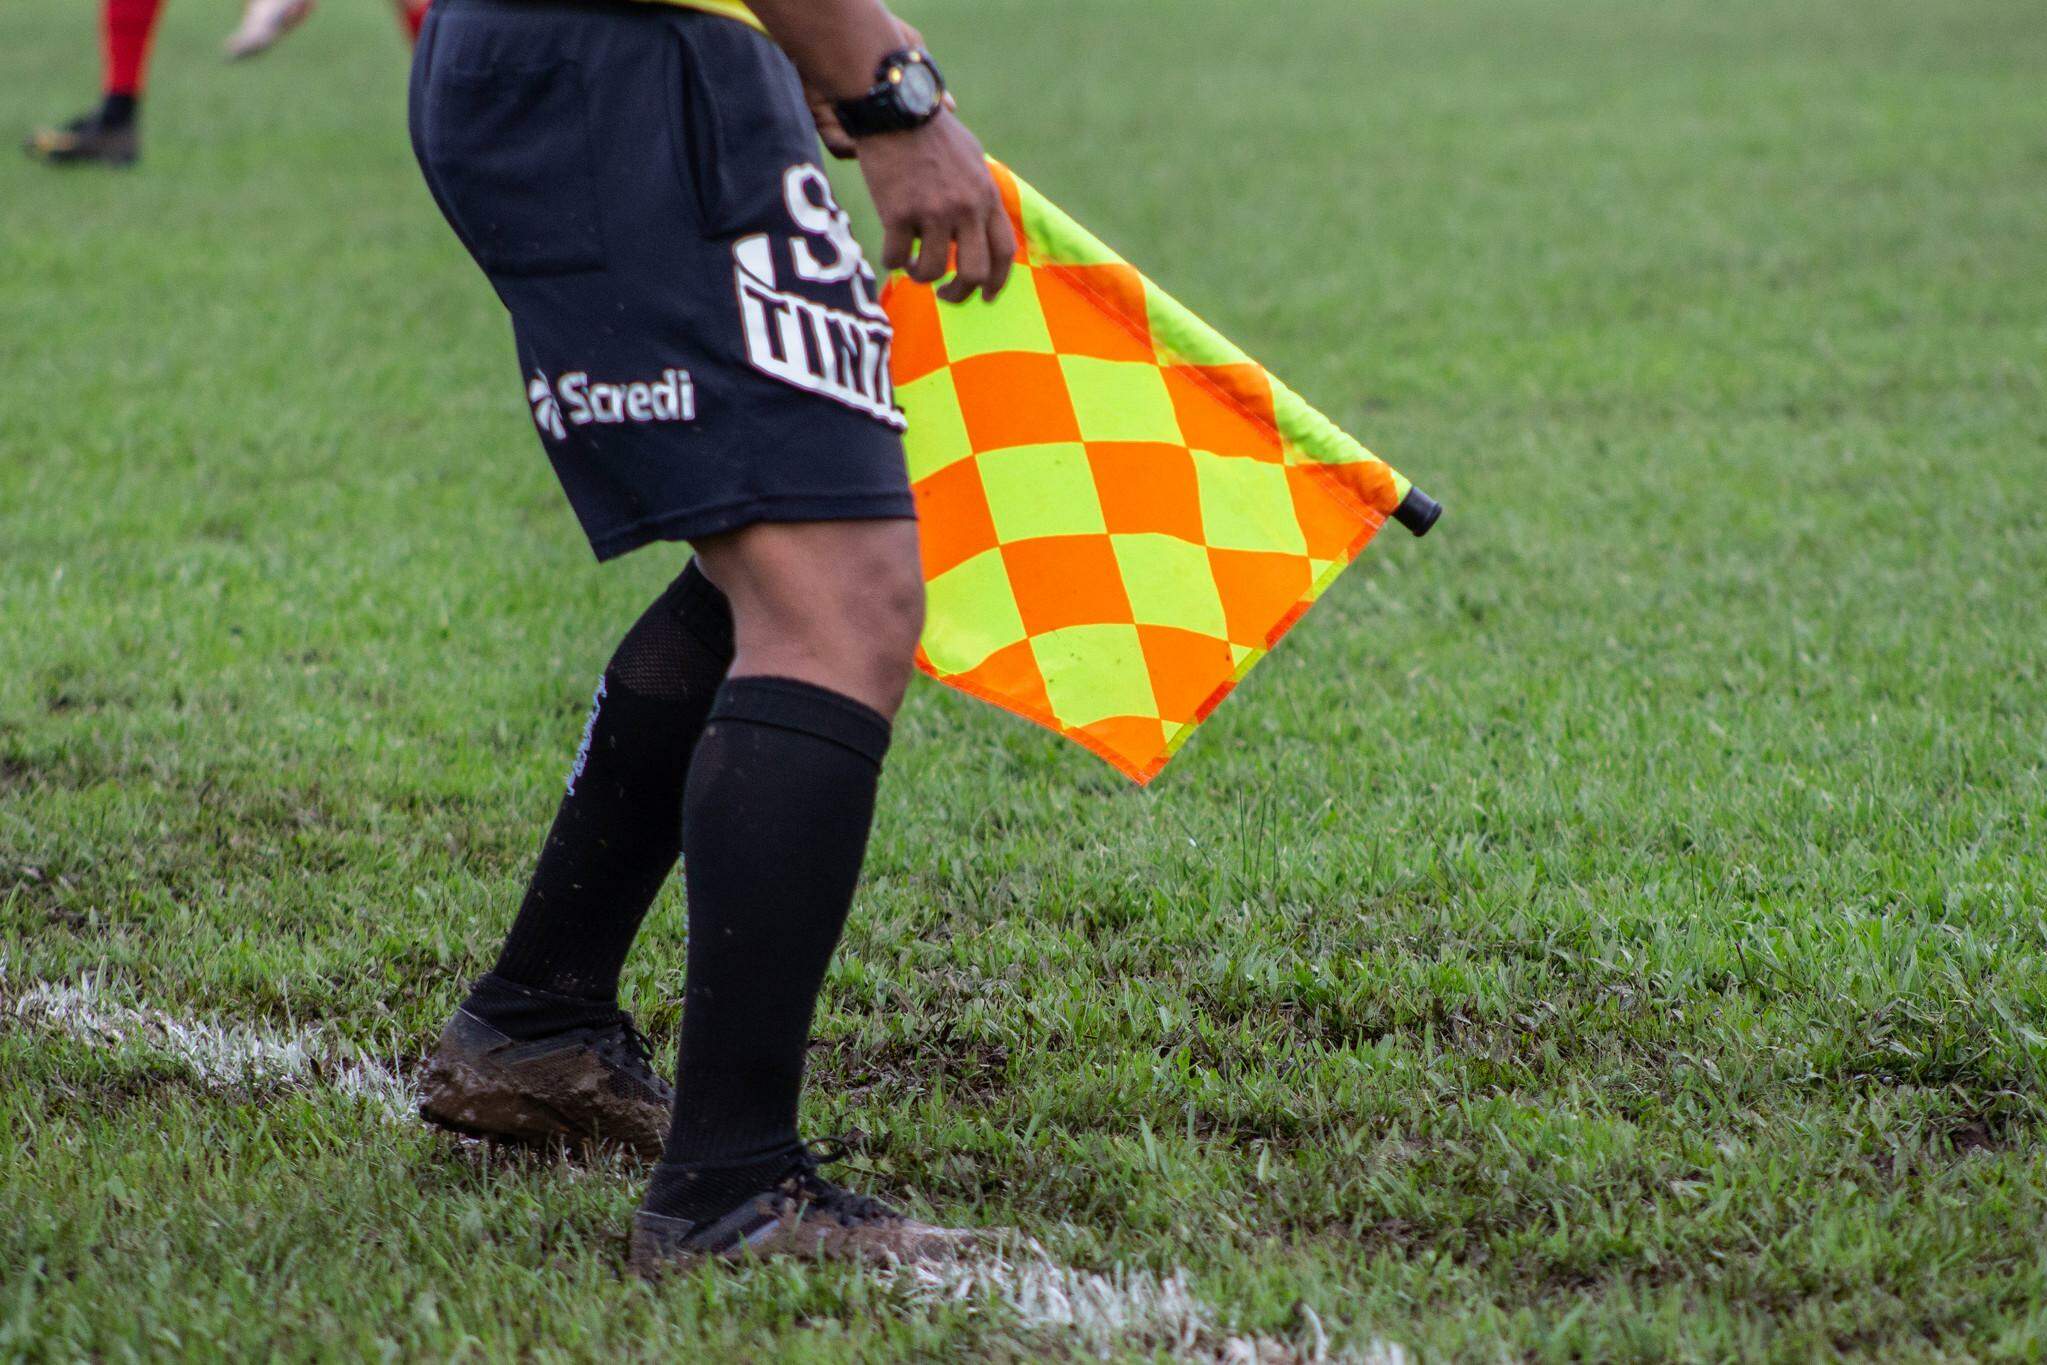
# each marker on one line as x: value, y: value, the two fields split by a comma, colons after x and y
x: 776, y: 812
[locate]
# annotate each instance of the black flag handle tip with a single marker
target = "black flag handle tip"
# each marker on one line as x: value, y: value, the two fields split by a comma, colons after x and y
x: 1418, y: 511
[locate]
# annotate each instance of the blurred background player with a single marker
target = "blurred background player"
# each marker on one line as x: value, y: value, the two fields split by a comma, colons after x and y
x: 265, y: 21
x: 107, y: 135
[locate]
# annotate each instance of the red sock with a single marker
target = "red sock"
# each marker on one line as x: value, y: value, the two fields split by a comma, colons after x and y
x: 411, y: 13
x: 126, y: 27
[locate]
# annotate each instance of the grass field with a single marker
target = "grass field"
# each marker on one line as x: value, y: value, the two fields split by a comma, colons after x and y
x: 1610, y: 928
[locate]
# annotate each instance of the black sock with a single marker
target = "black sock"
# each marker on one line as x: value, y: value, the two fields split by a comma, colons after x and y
x: 781, y: 795
x: 619, y: 829
x: 705, y: 1190
x: 527, y: 1013
x: 117, y: 111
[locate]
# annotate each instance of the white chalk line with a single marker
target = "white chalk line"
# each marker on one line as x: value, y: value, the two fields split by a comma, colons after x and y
x: 1121, y: 1309
x: 1096, y: 1312
x: 218, y: 1057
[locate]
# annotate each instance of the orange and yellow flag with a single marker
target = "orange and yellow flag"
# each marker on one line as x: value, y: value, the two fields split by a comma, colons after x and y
x: 1121, y: 512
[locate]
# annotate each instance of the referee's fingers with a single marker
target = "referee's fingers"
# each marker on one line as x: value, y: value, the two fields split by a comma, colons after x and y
x: 896, y: 241
x: 1001, y: 254
x: 934, y: 251
x: 970, y: 271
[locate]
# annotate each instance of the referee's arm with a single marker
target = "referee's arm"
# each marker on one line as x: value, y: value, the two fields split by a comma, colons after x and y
x: 930, y: 185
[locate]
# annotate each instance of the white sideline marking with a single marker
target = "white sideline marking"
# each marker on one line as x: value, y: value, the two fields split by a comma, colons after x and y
x: 218, y: 1057
x: 1095, y: 1312
x: 1100, y: 1312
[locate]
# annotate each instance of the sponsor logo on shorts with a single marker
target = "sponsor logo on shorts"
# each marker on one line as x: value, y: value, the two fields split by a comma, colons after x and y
x: 837, y: 353
x: 547, y: 414
x: 577, y: 400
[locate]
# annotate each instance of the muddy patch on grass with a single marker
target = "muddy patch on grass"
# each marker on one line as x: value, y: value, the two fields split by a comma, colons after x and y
x: 48, y: 894
x: 1944, y: 1140
x: 16, y: 773
x: 76, y: 699
x: 977, y: 1071
x: 1987, y: 1134
x: 116, y: 1093
x: 28, y: 774
x: 76, y: 768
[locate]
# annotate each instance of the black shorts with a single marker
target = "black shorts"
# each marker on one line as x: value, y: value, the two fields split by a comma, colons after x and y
x: 698, y: 336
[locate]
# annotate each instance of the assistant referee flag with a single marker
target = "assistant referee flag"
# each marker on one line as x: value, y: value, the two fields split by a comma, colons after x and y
x: 1121, y: 512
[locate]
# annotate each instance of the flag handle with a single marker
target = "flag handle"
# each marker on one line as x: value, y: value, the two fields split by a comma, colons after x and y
x: 1418, y: 511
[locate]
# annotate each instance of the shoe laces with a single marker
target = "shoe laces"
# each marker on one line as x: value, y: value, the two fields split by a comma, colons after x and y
x: 849, y: 1208
x: 630, y: 1047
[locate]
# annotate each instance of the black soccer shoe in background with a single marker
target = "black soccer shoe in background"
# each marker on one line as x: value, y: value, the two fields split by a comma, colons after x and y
x: 86, y: 140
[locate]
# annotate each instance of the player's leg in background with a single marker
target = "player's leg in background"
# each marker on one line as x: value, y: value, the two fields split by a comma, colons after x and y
x: 776, y: 815
x: 107, y: 135
x: 127, y: 29
x: 411, y: 16
x: 263, y: 23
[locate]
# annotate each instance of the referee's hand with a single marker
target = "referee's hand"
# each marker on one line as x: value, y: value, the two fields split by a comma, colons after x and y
x: 939, y: 208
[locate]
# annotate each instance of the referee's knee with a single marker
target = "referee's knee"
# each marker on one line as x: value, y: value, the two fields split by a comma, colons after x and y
x: 872, y: 623
x: 898, y: 605
x: 840, y: 605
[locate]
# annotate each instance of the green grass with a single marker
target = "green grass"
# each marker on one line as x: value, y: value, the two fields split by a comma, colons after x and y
x: 1609, y: 928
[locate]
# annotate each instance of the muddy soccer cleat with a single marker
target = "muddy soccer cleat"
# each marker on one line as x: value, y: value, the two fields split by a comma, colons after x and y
x: 584, y: 1088
x: 799, y: 1214
x: 264, y: 22
x: 86, y: 140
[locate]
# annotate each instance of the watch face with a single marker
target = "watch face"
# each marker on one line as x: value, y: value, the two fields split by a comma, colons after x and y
x: 918, y: 90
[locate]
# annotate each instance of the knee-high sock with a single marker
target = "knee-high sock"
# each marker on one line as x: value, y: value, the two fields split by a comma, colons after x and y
x: 126, y: 27
x: 619, y: 828
x: 775, y: 823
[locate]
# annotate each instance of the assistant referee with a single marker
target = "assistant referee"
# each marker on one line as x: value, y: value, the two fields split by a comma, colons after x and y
x: 702, y: 350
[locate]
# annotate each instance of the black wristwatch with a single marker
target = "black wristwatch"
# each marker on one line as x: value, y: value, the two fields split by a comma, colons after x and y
x: 908, y: 93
